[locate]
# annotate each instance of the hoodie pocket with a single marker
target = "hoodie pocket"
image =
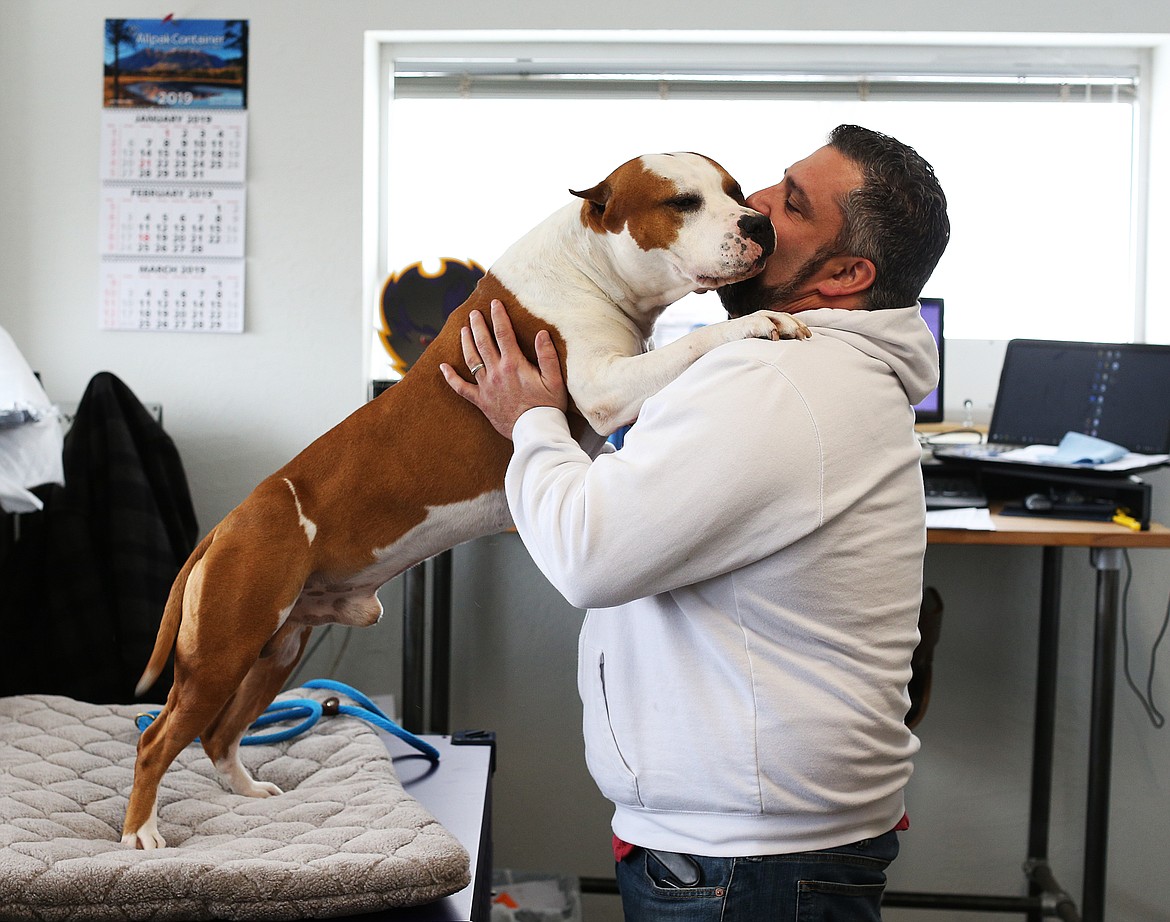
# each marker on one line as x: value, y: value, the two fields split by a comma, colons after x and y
x: 603, y: 753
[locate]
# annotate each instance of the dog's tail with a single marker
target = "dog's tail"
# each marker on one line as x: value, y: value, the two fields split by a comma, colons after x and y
x: 168, y: 629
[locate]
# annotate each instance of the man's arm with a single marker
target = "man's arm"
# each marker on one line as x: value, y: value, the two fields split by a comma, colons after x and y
x: 721, y: 469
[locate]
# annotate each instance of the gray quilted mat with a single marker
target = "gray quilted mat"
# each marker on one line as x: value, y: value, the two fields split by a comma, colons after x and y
x: 344, y: 837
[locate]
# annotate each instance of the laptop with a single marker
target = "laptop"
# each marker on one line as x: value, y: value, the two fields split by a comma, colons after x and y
x: 1047, y: 388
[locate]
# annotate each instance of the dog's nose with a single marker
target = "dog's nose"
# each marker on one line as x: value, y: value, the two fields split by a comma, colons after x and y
x: 758, y: 228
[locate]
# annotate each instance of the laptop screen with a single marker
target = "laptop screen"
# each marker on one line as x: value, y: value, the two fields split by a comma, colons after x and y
x: 1113, y: 391
x: 930, y: 410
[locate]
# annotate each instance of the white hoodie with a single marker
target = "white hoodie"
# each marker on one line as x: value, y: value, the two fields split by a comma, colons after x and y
x: 752, y: 559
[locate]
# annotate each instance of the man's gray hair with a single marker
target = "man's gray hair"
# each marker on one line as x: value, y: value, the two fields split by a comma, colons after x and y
x: 897, y: 218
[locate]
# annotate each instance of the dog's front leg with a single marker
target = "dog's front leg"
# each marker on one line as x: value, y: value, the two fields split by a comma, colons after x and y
x: 610, y: 392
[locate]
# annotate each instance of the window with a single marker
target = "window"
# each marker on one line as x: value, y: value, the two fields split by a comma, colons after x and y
x: 480, y: 144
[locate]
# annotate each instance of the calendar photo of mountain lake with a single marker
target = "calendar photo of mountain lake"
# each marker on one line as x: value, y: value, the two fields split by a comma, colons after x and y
x: 171, y: 63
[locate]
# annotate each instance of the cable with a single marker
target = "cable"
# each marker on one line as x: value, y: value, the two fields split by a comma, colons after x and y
x: 1147, y: 699
x: 311, y: 711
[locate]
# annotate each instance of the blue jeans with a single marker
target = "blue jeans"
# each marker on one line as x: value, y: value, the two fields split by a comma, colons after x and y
x: 842, y: 884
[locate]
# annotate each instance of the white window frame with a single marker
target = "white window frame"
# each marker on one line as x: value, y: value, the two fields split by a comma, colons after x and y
x: 822, y: 62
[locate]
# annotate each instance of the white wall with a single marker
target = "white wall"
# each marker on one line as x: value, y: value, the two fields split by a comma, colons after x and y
x: 239, y: 406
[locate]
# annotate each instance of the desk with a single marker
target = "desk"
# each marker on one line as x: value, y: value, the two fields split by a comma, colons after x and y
x: 457, y: 792
x: 1105, y: 542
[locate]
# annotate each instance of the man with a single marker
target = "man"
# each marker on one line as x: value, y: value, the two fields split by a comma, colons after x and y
x: 752, y: 559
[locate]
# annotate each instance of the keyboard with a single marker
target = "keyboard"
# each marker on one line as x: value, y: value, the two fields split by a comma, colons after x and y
x: 983, y: 451
x: 952, y: 490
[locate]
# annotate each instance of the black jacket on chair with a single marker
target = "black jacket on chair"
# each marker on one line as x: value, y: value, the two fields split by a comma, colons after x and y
x: 83, y: 589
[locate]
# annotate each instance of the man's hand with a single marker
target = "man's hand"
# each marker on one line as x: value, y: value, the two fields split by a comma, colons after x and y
x: 507, y: 384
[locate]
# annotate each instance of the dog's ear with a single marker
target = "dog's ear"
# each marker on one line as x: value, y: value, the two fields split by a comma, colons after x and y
x: 598, y: 196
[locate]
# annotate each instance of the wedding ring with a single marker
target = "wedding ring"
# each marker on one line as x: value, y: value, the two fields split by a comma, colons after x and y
x: 477, y: 369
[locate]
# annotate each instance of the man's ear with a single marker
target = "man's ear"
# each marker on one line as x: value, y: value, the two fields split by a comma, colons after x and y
x: 848, y: 275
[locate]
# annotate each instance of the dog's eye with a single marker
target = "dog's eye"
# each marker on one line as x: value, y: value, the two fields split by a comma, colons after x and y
x: 685, y: 203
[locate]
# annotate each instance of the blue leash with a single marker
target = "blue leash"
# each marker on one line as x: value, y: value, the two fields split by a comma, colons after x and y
x: 311, y: 711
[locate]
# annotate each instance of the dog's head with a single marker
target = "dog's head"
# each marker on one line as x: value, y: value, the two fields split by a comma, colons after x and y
x: 677, y: 223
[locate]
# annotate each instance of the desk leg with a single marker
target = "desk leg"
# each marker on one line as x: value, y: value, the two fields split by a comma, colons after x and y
x: 1044, y: 726
x: 1107, y: 563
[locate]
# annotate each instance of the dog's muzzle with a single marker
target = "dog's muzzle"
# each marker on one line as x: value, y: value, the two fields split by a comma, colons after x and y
x: 757, y: 228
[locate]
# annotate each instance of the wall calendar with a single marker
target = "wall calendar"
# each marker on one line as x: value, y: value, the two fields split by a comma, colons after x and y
x: 147, y: 146
x: 174, y: 220
x: 173, y: 167
x: 199, y: 296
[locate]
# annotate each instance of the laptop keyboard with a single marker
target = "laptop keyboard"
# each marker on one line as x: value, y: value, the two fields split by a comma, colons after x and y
x: 980, y: 451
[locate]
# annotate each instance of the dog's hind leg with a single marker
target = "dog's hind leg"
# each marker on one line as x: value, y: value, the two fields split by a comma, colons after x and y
x: 222, y: 633
x: 185, y: 717
x: 221, y: 740
x: 190, y: 712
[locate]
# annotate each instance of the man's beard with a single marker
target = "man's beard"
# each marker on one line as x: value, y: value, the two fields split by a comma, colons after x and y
x: 751, y: 295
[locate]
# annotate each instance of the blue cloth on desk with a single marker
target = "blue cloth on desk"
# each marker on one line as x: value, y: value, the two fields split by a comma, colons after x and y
x: 1078, y: 448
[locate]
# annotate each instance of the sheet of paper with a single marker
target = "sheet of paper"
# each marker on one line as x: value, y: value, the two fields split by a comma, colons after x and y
x: 967, y: 518
x: 1043, y: 454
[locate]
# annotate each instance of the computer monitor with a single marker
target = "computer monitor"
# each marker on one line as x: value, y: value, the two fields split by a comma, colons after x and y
x: 930, y: 410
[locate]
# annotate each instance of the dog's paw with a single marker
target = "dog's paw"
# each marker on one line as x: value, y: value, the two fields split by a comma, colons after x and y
x: 147, y: 838
x: 260, y: 789
x: 787, y: 326
x: 773, y: 325
x: 240, y: 780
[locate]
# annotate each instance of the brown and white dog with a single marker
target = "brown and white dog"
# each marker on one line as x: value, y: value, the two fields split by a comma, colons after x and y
x: 419, y: 469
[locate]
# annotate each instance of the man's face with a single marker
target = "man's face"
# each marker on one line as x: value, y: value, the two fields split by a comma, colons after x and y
x: 805, y: 210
